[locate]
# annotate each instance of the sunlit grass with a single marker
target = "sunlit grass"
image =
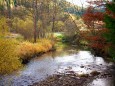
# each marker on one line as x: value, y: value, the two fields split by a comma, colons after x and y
x: 27, y: 50
x: 13, y: 51
x: 9, y: 60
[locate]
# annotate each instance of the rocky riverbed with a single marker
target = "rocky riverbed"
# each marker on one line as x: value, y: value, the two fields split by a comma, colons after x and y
x: 71, y: 78
x: 64, y: 68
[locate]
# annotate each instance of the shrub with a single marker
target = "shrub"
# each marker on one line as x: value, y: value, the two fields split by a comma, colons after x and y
x: 28, y: 50
x: 9, y: 61
x: 23, y: 27
x: 3, y: 26
x: 46, y: 43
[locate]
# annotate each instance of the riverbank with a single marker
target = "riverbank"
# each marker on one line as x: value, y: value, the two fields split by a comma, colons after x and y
x: 28, y: 50
x: 14, y: 53
x: 66, y: 66
x: 73, y: 79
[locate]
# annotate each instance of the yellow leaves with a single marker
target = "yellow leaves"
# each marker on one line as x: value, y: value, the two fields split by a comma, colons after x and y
x: 23, y: 27
x: 3, y: 26
x: 39, y: 24
x: 9, y: 61
x: 22, y: 24
x: 11, y: 51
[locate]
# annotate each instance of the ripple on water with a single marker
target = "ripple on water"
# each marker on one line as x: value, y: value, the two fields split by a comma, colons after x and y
x: 102, y: 82
x: 46, y: 65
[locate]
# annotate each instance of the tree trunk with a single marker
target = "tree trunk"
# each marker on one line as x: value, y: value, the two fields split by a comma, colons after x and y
x: 54, y: 17
x: 8, y: 2
x: 35, y: 21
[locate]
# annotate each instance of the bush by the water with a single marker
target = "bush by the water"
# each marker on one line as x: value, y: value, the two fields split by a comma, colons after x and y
x: 9, y: 60
x: 12, y: 52
x: 27, y: 50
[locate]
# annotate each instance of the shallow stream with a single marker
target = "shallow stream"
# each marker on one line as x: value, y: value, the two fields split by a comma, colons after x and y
x: 62, y: 60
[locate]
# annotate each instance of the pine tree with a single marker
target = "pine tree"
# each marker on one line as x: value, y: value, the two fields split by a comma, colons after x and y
x: 110, y: 25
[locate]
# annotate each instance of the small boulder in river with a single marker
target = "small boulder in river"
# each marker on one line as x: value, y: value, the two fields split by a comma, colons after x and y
x: 95, y: 73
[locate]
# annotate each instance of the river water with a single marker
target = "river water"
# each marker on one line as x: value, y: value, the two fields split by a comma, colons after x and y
x: 62, y: 60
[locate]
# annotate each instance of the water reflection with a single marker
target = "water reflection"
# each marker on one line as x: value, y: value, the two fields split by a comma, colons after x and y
x: 103, y: 82
x: 51, y: 63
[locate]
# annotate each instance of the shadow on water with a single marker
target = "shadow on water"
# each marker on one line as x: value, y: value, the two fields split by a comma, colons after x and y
x: 64, y: 59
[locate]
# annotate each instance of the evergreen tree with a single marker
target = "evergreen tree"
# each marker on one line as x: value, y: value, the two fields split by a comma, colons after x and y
x: 110, y: 25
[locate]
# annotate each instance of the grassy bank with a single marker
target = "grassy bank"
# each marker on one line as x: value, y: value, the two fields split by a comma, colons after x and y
x: 13, y: 53
x: 27, y: 50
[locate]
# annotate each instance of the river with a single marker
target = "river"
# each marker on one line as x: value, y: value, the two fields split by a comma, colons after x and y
x: 62, y: 60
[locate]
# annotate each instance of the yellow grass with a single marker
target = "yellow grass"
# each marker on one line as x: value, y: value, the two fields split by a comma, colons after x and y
x: 27, y: 50
x: 9, y: 60
x: 11, y: 51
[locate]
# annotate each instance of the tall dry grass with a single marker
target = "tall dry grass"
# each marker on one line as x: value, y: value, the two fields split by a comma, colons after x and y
x: 9, y: 60
x: 12, y: 52
x: 28, y: 50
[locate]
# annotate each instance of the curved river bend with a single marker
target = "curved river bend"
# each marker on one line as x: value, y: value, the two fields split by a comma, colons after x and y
x: 60, y: 61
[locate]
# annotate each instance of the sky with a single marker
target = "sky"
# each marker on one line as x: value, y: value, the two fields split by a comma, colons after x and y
x: 78, y: 2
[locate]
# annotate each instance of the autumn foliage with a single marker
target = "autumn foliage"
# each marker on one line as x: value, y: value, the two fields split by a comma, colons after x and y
x: 93, y: 18
x: 9, y: 60
x: 28, y: 50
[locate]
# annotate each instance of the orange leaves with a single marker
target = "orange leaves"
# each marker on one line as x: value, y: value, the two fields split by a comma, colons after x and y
x: 95, y: 38
x: 98, y: 16
x: 103, y: 30
x: 94, y: 20
x: 95, y: 41
x: 91, y: 16
x: 97, y: 45
x: 88, y: 17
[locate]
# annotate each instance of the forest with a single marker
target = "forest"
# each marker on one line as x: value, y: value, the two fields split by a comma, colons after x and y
x: 34, y: 31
